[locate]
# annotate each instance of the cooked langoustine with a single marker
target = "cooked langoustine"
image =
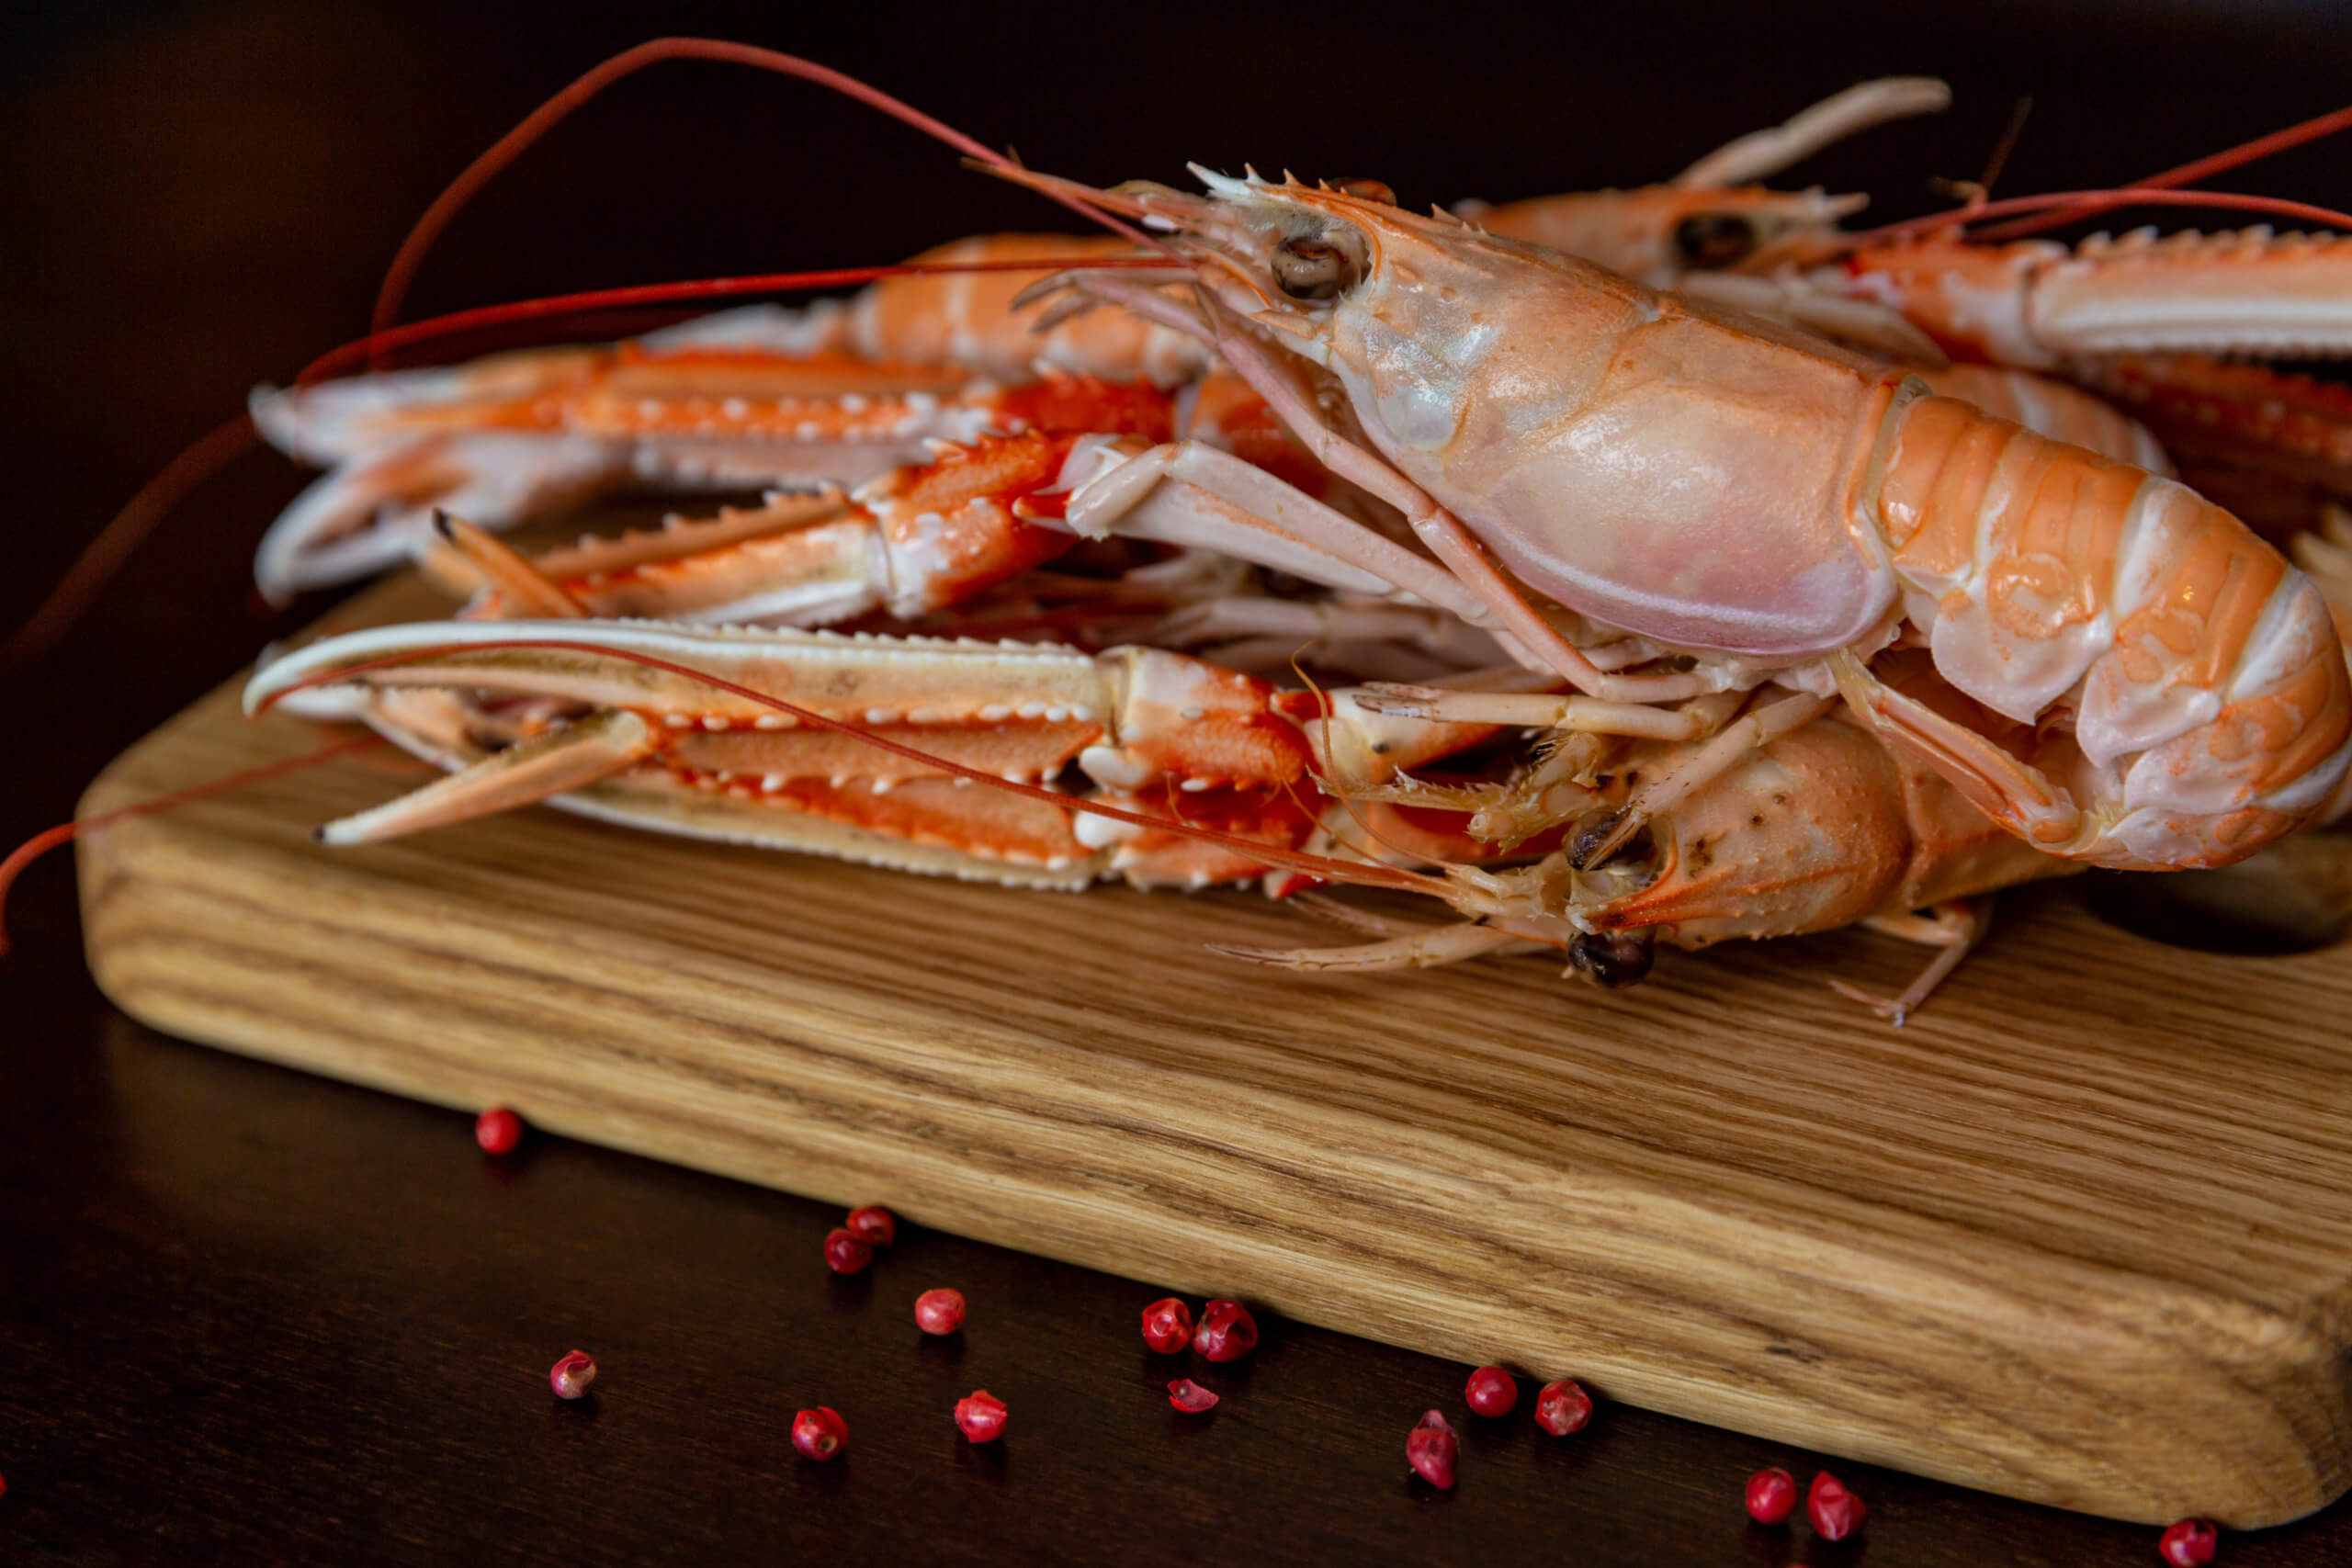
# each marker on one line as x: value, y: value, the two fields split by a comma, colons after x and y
x: 1776, y: 511
x: 1176, y: 772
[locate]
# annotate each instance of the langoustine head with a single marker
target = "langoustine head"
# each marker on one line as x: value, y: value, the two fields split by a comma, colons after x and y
x: 1647, y: 463
x: 1404, y: 309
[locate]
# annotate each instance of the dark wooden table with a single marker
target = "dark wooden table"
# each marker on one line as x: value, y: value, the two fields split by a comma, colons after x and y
x: 251, y: 1317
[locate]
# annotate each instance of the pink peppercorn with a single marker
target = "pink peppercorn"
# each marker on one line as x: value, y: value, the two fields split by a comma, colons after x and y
x: 1491, y: 1392
x: 1226, y: 1332
x: 1562, y: 1406
x: 2187, y: 1543
x: 1168, y: 1326
x: 1189, y: 1397
x: 820, y: 1433
x: 571, y: 1376
x: 980, y: 1415
x: 1772, y: 1497
x: 939, y: 1312
x: 1835, y: 1513
x: 846, y: 1252
x: 498, y: 1130
x: 1431, y: 1448
x: 875, y: 1224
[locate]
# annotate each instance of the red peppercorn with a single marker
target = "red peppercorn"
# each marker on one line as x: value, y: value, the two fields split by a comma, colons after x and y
x: 846, y: 1252
x: 1168, y: 1326
x: 1226, y: 1333
x: 1772, y: 1497
x: 1431, y: 1448
x: 571, y: 1376
x: 1835, y: 1513
x: 498, y: 1130
x: 981, y: 1416
x: 1562, y: 1406
x: 820, y: 1433
x: 2189, y: 1543
x: 1491, y: 1392
x: 1189, y: 1397
x: 875, y: 1223
x: 939, y: 1312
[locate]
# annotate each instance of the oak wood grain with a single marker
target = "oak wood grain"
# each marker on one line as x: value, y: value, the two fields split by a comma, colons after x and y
x: 2079, y: 1234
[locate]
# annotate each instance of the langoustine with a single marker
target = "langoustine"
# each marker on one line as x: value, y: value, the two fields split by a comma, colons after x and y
x: 1172, y: 772
x: 1529, y: 413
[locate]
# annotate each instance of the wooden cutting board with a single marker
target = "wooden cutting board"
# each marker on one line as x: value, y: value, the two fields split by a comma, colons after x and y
x: 2082, y: 1232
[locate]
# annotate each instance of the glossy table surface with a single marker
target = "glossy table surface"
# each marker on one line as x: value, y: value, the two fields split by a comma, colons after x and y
x: 250, y: 1316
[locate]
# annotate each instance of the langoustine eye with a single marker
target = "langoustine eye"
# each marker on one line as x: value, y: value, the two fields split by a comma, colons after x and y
x: 1716, y: 239
x: 1312, y: 268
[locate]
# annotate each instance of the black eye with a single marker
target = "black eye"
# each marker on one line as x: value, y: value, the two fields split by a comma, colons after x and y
x: 1709, y: 240
x: 1314, y: 269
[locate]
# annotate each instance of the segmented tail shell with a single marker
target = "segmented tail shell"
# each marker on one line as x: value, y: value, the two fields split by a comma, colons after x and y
x: 2209, y: 693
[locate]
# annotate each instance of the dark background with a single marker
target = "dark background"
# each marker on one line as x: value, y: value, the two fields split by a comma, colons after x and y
x: 250, y: 1316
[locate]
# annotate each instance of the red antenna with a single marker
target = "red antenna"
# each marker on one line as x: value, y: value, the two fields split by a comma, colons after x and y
x: 376, y: 343
x: 39, y: 844
x: 2122, y: 195
x: 2188, y: 173
x: 104, y: 555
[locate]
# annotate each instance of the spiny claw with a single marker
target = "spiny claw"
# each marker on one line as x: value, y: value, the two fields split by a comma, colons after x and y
x: 915, y: 540
x: 511, y: 576
x: 2038, y: 304
x: 717, y: 409
x: 375, y: 511
x: 566, y: 758
x: 329, y: 422
x: 664, y: 746
x: 2249, y: 292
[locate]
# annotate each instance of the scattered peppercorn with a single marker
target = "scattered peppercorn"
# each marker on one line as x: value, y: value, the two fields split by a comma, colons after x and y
x: 846, y: 1252
x: 2189, y: 1543
x: 820, y: 1433
x: 1562, y: 1406
x: 877, y: 1226
x: 498, y: 1130
x: 980, y: 1415
x: 1168, y: 1326
x: 1835, y: 1513
x: 1772, y: 1497
x: 1189, y: 1397
x: 571, y: 1376
x: 939, y: 1312
x: 1226, y: 1332
x: 1491, y: 1390
x: 1431, y: 1448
